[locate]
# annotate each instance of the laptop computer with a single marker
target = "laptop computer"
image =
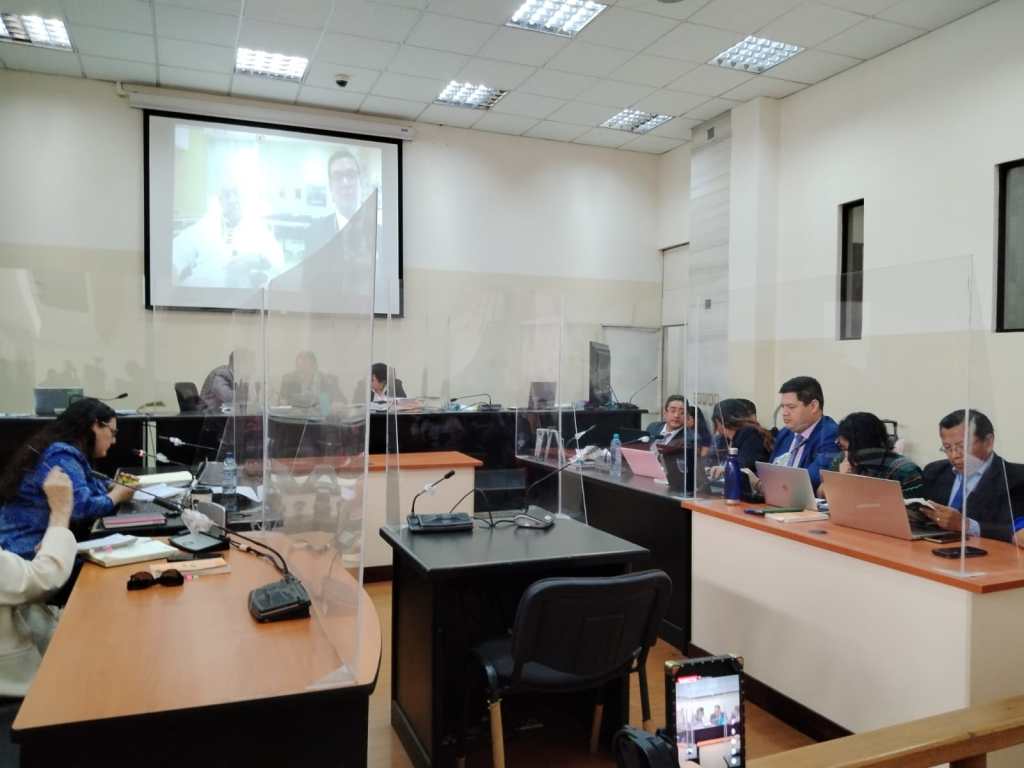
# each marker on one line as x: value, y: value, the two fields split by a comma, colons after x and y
x: 644, y: 462
x: 871, y: 504
x: 50, y: 401
x: 788, y: 487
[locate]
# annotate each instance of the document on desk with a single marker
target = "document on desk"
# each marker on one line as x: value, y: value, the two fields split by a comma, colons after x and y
x: 804, y: 516
x: 113, y: 541
x: 160, y: 490
x: 209, y: 566
x: 139, y: 551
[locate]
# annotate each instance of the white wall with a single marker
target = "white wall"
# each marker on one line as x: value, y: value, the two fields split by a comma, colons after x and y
x: 917, y: 133
x: 674, y: 197
x: 485, y: 215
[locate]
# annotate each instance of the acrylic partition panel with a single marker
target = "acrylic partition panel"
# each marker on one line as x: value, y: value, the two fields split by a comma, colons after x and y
x: 316, y: 353
x: 66, y: 335
x: 923, y: 351
x: 506, y: 342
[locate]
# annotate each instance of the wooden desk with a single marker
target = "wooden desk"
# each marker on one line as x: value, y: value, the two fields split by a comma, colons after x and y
x: 865, y: 630
x: 168, y: 674
x: 451, y: 591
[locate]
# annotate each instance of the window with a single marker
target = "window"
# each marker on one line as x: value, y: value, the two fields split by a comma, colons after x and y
x: 1010, y: 298
x: 851, y: 272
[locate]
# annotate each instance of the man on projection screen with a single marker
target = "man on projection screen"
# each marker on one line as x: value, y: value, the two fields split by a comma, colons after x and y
x: 230, y: 246
x: 345, y: 177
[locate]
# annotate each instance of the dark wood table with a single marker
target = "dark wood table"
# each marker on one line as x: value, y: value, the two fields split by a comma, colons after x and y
x: 451, y: 591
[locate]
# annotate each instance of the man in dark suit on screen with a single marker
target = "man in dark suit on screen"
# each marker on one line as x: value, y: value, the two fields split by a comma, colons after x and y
x: 991, y: 488
x: 345, y: 181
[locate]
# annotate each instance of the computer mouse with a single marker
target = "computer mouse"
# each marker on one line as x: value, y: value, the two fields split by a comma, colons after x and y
x: 529, y: 521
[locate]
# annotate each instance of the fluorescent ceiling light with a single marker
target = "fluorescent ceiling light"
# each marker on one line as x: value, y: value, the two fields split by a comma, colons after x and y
x: 556, y: 17
x: 635, y: 121
x: 755, y: 54
x: 469, y: 95
x: 34, y: 30
x: 267, y: 64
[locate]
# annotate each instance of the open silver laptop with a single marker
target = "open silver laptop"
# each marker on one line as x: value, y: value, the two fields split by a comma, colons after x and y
x: 788, y: 487
x: 871, y: 504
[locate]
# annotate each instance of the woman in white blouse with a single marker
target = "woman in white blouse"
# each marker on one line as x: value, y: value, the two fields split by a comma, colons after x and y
x: 26, y: 622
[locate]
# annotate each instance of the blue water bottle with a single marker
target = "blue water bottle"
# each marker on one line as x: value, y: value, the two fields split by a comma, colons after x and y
x: 733, y: 477
x: 229, y: 491
x: 616, y: 451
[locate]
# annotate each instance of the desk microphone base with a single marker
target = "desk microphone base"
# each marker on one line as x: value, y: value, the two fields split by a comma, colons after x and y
x: 446, y: 523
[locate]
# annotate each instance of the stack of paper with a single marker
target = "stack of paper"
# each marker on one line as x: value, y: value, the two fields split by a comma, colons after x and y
x: 139, y: 551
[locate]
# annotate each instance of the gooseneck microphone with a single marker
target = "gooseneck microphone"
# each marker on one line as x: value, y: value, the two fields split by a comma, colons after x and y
x: 160, y: 458
x: 427, y: 489
x: 173, y: 506
x: 177, y: 442
x: 641, y: 389
x: 122, y: 396
x: 576, y: 438
x: 644, y: 439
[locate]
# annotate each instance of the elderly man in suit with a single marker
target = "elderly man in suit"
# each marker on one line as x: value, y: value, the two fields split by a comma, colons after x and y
x: 973, y: 477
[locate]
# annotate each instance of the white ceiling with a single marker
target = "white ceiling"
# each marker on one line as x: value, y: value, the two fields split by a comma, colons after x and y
x: 399, y: 54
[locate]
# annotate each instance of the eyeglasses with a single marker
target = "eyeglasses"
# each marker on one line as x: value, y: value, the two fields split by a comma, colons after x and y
x: 144, y: 579
x: 113, y: 430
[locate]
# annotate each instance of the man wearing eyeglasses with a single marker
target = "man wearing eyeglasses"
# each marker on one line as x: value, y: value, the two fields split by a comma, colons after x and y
x: 992, y: 487
x: 344, y: 177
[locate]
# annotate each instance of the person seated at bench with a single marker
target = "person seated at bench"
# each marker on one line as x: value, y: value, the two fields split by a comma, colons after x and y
x: 26, y: 623
x: 993, y: 488
x: 84, y: 432
x: 865, y: 450
x: 809, y: 437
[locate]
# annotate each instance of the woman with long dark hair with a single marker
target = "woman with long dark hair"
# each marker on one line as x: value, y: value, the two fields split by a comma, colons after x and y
x: 864, y: 443
x: 735, y: 422
x: 85, y: 431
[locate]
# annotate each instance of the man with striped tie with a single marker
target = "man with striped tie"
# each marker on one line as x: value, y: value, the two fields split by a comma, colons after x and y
x: 809, y: 437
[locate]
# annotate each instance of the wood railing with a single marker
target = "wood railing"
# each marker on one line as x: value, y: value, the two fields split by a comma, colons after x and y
x: 961, y: 738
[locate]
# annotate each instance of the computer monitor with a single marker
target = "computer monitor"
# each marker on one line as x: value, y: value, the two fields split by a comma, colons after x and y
x: 50, y: 401
x: 542, y: 395
x: 600, y: 374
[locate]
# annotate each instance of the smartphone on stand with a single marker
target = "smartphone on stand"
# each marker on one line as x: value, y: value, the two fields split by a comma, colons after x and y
x: 705, y: 710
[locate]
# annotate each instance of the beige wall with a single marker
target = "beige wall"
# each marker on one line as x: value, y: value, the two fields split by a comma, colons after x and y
x: 495, y: 227
x: 917, y: 133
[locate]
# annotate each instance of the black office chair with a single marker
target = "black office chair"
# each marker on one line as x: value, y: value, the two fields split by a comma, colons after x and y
x: 188, y: 397
x: 570, y: 634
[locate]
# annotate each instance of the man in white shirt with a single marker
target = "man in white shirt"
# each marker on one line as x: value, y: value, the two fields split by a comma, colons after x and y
x: 26, y: 622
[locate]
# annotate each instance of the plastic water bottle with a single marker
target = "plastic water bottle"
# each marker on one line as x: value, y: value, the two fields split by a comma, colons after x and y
x: 733, y: 477
x: 229, y: 492
x: 616, y: 451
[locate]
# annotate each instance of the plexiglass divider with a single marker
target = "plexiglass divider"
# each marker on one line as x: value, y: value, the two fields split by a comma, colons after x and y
x: 318, y: 335
x: 896, y: 389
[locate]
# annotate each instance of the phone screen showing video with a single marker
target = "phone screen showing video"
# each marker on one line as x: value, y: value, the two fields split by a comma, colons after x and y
x: 708, y: 720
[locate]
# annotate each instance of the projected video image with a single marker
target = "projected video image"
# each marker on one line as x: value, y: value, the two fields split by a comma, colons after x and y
x: 708, y: 727
x: 248, y: 206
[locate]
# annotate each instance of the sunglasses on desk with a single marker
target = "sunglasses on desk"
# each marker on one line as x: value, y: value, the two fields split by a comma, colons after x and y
x: 144, y: 579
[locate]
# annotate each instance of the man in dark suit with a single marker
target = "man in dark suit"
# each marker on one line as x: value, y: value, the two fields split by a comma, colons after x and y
x: 673, y: 417
x: 978, y: 479
x: 809, y: 437
x: 345, y: 181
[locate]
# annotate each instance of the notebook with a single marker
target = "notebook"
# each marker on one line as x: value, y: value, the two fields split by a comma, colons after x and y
x: 139, y: 551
